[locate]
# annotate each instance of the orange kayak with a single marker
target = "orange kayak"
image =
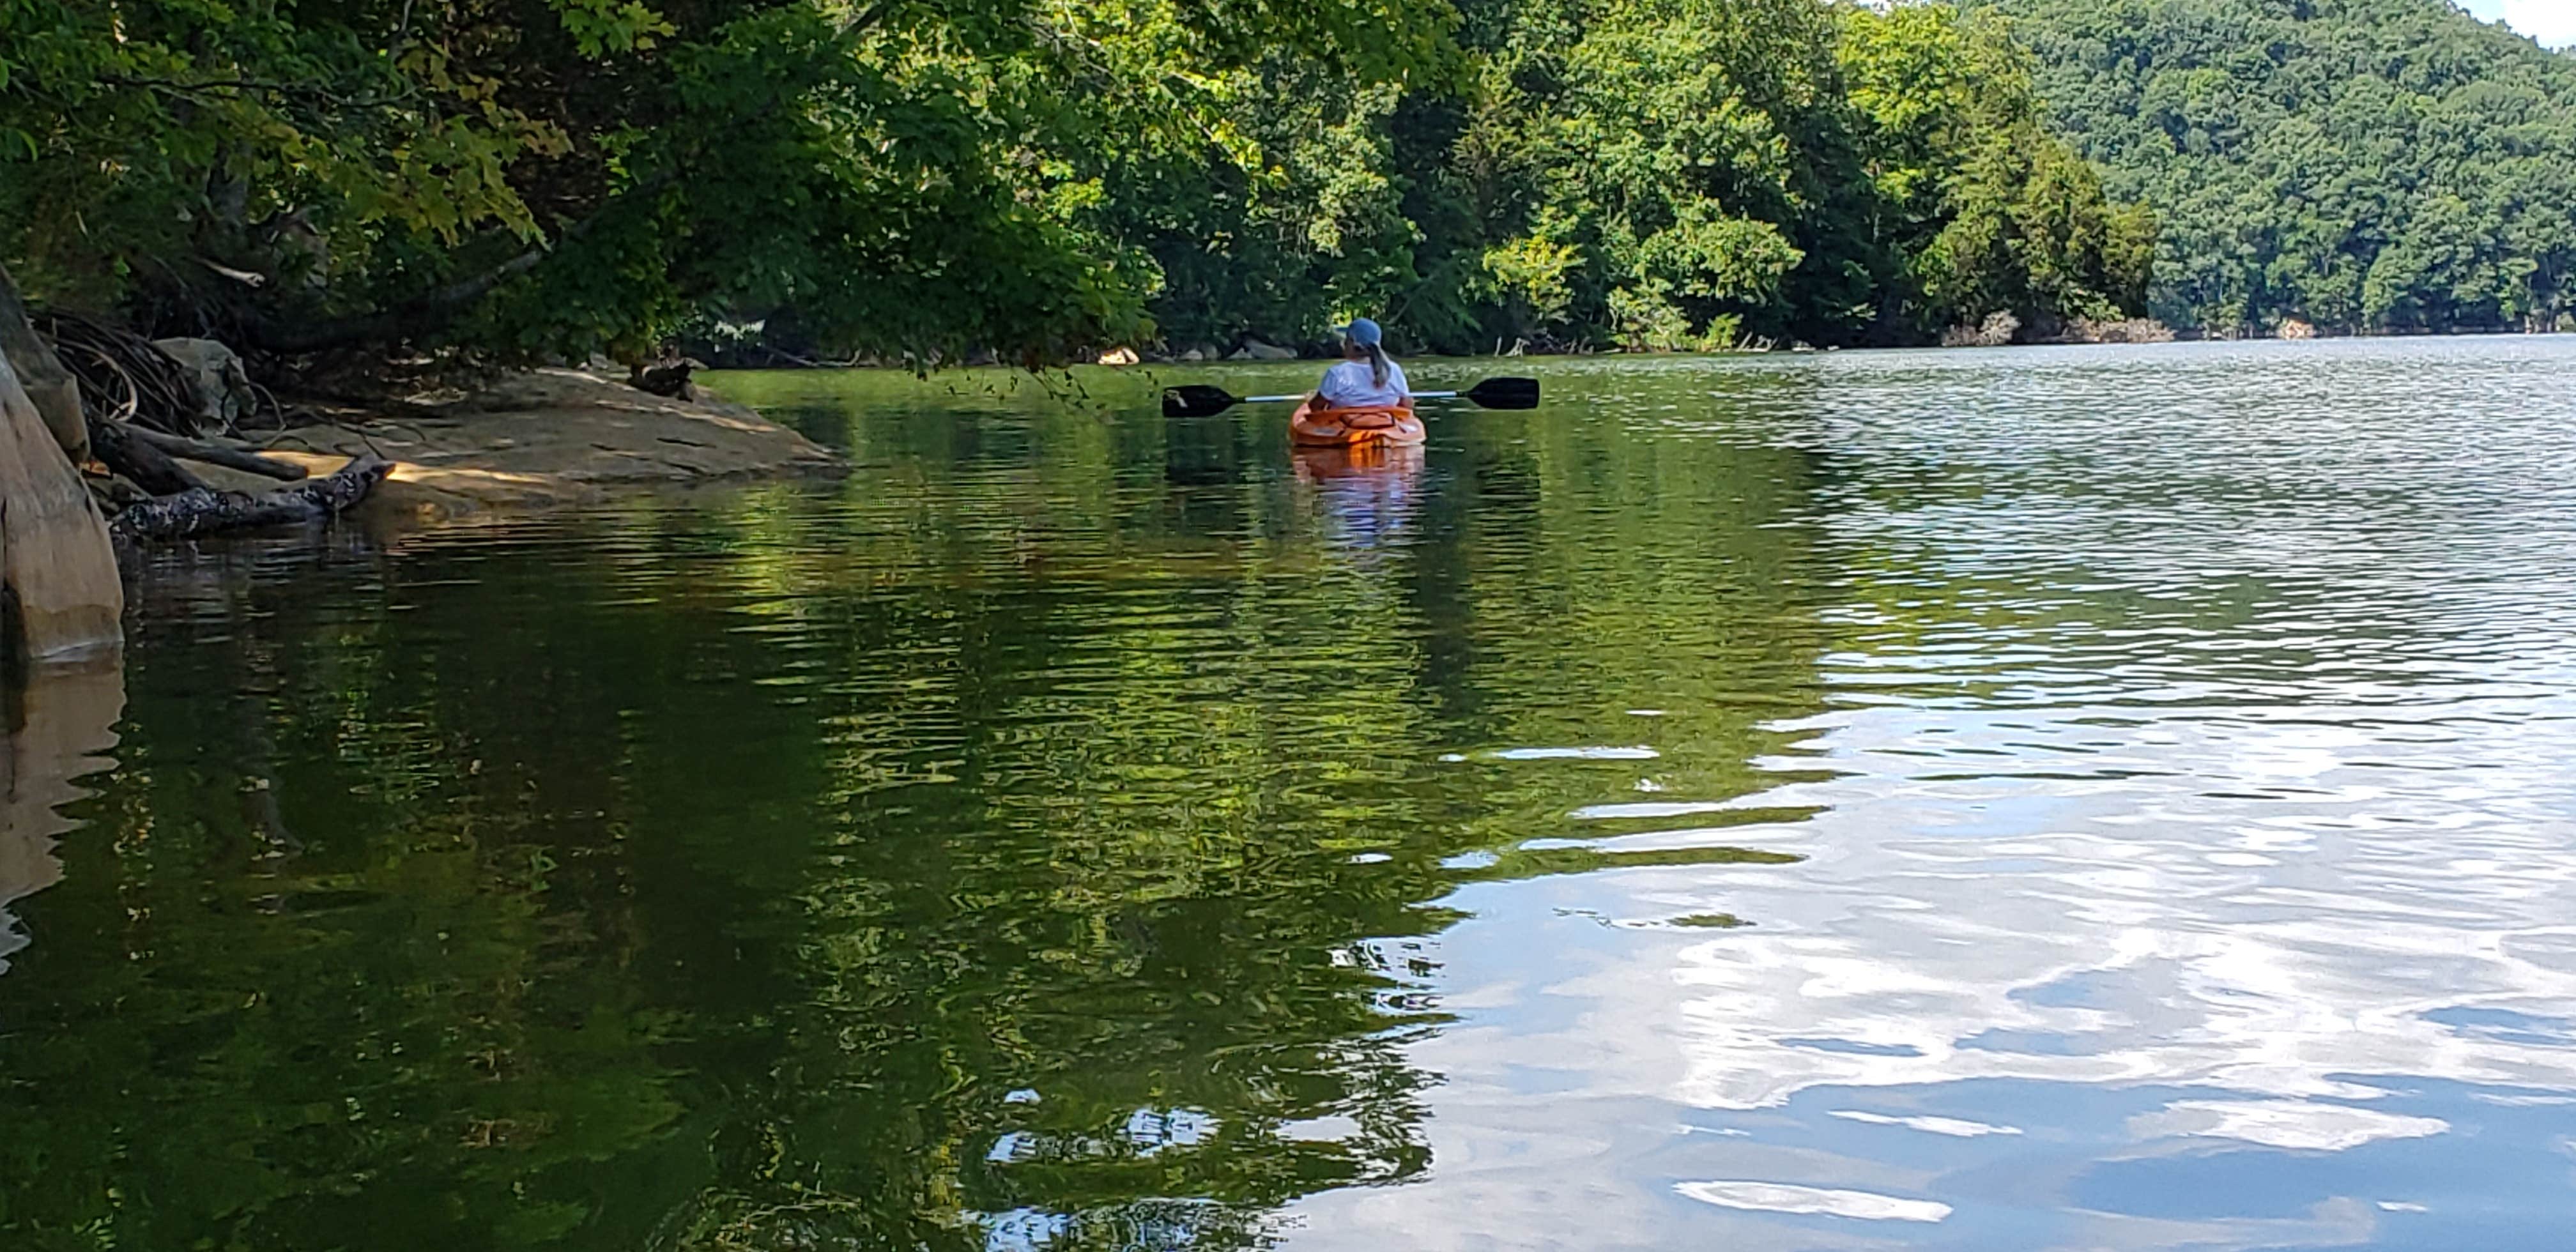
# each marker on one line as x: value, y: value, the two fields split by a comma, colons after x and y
x: 1360, y: 462
x: 1351, y: 428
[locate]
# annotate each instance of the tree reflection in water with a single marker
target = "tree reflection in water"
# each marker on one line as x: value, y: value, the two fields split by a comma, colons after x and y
x: 1030, y: 842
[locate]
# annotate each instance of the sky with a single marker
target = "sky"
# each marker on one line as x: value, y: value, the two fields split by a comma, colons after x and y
x: 2552, y: 22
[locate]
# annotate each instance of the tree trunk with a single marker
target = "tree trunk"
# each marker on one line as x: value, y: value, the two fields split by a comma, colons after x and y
x: 57, y: 568
x: 204, y: 512
x: 53, y: 390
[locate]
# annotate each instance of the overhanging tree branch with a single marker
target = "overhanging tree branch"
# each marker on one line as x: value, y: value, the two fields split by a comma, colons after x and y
x: 435, y: 308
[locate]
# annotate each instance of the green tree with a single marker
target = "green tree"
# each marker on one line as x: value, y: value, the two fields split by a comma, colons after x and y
x: 565, y: 175
x: 2379, y: 165
x: 1648, y: 174
x: 1991, y: 212
x: 558, y: 177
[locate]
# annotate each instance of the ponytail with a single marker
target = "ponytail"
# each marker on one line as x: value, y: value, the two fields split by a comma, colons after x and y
x: 1377, y: 364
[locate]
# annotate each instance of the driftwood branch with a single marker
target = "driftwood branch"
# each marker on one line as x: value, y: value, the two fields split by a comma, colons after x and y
x: 867, y: 18
x: 217, y: 454
x: 121, y: 447
x: 206, y: 512
x: 123, y: 376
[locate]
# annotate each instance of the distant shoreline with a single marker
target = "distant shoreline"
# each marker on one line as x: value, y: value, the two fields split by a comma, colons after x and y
x: 1491, y: 360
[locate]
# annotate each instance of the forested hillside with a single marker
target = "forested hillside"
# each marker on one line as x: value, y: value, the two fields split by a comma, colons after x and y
x: 2381, y: 165
x: 1038, y: 177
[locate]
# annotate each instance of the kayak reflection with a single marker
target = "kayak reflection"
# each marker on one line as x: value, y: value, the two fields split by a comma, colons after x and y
x: 1369, y: 492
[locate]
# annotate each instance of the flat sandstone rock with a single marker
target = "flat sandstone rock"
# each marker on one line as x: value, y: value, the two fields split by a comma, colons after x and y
x: 542, y: 439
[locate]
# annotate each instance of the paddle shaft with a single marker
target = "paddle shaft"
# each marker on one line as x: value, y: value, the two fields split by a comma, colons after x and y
x: 1417, y: 395
x: 1201, y: 400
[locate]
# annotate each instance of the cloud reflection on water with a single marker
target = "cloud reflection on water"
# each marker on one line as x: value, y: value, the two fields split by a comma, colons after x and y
x: 2195, y: 809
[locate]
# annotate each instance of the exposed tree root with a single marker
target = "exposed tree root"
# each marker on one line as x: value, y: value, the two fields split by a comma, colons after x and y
x: 123, y: 377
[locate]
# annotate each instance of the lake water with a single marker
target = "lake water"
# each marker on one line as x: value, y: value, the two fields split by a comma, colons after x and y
x: 2056, y: 798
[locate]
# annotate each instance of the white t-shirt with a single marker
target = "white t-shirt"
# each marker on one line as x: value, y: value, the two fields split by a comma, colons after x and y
x: 1353, y: 385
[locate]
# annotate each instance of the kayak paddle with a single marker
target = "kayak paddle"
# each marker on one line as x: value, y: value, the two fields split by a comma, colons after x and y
x: 1198, y: 400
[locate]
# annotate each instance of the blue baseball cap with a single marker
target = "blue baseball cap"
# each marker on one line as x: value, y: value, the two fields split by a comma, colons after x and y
x: 1363, y: 332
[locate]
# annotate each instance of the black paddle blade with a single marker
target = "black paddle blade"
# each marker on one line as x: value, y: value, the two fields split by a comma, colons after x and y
x: 1196, y: 400
x: 1505, y: 393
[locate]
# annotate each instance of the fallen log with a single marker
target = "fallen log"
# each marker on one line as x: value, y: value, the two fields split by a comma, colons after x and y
x: 205, y: 511
x: 121, y: 447
x: 199, y: 450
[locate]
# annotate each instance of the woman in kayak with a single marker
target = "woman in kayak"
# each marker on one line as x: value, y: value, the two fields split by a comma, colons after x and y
x: 1363, y: 399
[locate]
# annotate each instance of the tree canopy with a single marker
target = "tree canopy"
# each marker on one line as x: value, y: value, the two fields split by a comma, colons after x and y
x: 2379, y: 165
x: 561, y: 177
x: 570, y: 174
x: 1648, y: 173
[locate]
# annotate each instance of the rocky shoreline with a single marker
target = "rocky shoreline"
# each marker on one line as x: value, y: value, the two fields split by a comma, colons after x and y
x: 85, y: 481
x: 543, y: 438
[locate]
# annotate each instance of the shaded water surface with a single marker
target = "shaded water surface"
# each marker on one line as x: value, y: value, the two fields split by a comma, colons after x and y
x: 2046, y: 798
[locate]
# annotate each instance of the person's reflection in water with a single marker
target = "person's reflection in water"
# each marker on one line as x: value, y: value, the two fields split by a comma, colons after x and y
x: 1369, y: 493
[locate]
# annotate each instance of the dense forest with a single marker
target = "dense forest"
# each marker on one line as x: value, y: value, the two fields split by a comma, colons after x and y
x: 1039, y: 178
x: 1647, y: 174
x: 2359, y: 165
